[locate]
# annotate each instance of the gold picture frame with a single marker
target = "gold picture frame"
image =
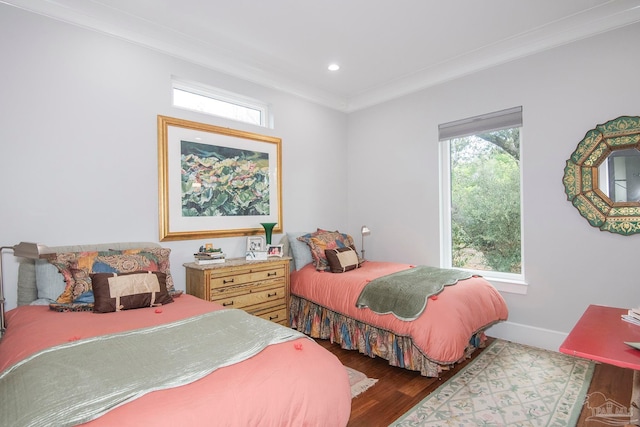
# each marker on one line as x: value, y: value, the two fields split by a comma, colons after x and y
x: 215, y: 181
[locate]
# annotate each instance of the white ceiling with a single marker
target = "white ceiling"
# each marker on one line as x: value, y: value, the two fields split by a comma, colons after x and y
x: 386, y: 48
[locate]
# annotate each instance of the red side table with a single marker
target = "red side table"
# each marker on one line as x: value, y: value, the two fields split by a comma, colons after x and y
x: 600, y: 335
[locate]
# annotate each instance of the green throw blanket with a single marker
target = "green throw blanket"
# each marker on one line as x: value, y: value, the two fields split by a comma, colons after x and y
x: 78, y: 381
x: 405, y: 293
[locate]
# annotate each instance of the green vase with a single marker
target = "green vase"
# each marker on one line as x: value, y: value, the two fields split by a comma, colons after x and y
x: 268, y: 229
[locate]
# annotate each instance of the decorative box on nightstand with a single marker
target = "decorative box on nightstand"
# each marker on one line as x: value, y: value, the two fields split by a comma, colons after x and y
x: 260, y: 288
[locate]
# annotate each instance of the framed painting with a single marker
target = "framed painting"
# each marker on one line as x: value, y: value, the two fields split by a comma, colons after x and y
x: 216, y: 182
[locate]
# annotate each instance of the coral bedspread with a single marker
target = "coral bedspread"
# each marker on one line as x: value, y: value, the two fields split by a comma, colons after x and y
x: 441, y: 332
x: 292, y: 383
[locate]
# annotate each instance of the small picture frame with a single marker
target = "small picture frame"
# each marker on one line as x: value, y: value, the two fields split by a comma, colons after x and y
x: 255, y: 244
x: 274, y: 250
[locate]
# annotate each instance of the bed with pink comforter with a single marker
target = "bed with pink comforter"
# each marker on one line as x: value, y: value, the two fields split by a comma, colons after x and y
x: 296, y: 382
x: 448, y: 330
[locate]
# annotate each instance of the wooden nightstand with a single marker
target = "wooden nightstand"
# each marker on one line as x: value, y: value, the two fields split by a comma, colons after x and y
x: 260, y: 288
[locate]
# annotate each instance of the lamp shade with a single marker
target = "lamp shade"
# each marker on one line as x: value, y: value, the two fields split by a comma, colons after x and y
x: 29, y: 250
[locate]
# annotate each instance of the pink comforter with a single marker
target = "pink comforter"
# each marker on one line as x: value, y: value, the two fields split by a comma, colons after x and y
x: 442, y: 331
x: 293, y: 383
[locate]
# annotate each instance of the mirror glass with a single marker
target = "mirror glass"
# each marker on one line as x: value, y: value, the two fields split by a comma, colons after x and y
x: 619, y: 176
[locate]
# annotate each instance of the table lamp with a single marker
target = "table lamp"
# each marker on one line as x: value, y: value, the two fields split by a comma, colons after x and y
x: 364, y: 231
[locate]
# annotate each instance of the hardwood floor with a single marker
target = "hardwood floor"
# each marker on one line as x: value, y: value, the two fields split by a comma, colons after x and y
x: 398, y: 390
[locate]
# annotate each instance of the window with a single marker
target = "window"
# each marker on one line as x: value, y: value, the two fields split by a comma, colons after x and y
x: 481, y: 195
x: 218, y: 102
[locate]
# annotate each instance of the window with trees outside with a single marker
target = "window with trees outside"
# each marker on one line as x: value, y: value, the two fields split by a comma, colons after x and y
x: 481, y: 195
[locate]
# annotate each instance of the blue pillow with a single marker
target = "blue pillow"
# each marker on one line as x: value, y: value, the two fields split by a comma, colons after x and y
x: 49, y: 281
x: 299, y: 250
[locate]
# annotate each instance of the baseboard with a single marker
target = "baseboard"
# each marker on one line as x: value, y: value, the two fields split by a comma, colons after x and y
x: 528, y: 335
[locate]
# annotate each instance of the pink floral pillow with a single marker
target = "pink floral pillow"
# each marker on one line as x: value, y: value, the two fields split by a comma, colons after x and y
x: 322, y: 240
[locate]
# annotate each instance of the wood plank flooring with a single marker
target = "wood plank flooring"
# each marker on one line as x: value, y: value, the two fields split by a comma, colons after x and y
x: 398, y: 390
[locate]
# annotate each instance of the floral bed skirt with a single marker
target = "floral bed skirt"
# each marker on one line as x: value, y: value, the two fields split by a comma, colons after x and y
x: 320, y: 322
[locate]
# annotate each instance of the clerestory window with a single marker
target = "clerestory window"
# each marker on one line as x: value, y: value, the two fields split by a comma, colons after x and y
x: 218, y: 102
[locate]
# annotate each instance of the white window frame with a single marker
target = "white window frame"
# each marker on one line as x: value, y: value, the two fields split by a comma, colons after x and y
x: 506, y: 282
x: 222, y: 96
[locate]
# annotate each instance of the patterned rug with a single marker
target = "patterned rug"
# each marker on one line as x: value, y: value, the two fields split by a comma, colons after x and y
x: 359, y: 382
x: 508, y: 384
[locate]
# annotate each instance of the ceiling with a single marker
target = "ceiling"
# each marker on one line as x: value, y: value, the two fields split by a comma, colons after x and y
x: 385, y: 48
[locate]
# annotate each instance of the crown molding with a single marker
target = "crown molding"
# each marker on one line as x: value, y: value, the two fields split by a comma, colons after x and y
x: 586, y: 24
x: 100, y: 18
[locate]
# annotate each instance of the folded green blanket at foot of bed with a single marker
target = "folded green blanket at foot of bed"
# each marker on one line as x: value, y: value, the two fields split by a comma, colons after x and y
x: 405, y: 293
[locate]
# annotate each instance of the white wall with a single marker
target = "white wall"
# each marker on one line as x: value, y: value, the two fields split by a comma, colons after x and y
x: 564, y: 93
x: 78, y: 142
x: 78, y: 158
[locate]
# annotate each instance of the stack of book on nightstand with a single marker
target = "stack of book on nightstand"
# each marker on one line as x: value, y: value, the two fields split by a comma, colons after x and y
x: 632, y: 316
x: 209, y: 257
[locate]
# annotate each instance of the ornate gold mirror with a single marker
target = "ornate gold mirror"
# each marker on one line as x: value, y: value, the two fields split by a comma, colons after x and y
x: 602, y: 177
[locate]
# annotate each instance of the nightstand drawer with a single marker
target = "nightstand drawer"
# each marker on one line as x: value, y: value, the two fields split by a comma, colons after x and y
x: 260, y: 299
x: 228, y: 291
x: 247, y: 276
x: 278, y: 316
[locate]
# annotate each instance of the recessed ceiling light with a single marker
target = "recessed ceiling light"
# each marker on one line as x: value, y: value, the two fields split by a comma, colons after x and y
x: 333, y: 67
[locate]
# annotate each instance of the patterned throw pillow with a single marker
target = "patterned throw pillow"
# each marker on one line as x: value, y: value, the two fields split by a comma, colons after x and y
x: 64, y: 261
x: 322, y: 240
x: 162, y: 256
x: 342, y: 259
x: 127, y: 291
x: 77, y: 267
x: 70, y: 308
x: 84, y: 267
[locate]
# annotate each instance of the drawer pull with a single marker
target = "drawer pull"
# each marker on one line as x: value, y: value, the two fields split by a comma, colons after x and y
x: 226, y: 304
x: 273, y: 317
x: 271, y: 295
x: 225, y: 281
x: 273, y: 273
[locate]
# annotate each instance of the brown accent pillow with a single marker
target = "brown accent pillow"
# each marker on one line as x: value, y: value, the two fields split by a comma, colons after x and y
x: 342, y: 259
x: 322, y: 240
x: 126, y: 291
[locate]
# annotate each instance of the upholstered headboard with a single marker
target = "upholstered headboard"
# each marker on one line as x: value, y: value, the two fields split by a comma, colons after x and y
x: 27, y: 290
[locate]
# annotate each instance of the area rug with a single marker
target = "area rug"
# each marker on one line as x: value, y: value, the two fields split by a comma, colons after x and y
x: 359, y: 382
x: 508, y: 384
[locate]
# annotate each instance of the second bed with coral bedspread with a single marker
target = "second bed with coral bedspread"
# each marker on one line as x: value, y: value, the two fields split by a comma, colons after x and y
x: 451, y: 327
